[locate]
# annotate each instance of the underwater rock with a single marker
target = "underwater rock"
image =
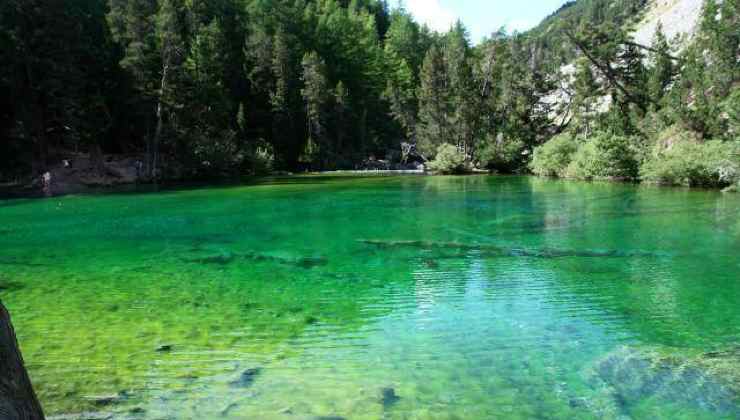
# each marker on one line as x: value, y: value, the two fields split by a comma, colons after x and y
x: 635, y: 374
x: 247, y: 378
x: 137, y: 410
x: 311, y: 262
x: 82, y: 416
x: 9, y: 286
x: 228, y: 409
x: 105, y: 400
x: 431, y: 264
x: 165, y: 348
x: 22, y: 263
x: 578, y: 402
x: 215, y: 259
x: 388, y: 397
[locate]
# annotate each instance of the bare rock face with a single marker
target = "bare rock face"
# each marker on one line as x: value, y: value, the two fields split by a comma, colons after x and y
x: 679, y: 18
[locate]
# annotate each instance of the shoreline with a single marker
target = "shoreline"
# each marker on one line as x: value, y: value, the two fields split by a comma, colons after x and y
x: 16, y: 190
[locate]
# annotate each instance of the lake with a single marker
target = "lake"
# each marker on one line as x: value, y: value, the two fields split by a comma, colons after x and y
x: 379, y: 297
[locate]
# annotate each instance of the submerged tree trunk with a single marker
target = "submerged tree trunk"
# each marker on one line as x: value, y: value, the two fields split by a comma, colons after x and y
x: 17, y: 398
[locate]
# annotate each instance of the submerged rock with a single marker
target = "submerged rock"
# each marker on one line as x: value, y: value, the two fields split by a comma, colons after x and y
x: 247, y: 378
x: 9, y: 286
x: 228, y: 409
x: 165, y: 348
x: 431, y: 264
x: 311, y: 262
x: 82, y: 416
x: 388, y: 397
x: 214, y: 259
x: 635, y: 374
x: 104, y: 400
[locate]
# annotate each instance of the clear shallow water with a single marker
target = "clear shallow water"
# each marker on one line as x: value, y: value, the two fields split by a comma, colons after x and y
x: 367, y: 298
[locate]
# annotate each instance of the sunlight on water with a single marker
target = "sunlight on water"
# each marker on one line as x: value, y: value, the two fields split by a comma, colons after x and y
x: 367, y: 298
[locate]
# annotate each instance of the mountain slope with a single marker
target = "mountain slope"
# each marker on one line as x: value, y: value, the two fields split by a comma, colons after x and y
x: 679, y: 19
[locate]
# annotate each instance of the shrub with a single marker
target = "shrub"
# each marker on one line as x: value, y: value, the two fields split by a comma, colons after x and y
x: 605, y: 156
x: 690, y: 163
x: 214, y: 154
x: 449, y: 160
x: 553, y: 157
x: 731, y: 112
x: 502, y: 155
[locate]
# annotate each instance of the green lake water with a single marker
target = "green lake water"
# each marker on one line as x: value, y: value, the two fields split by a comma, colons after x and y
x: 385, y: 297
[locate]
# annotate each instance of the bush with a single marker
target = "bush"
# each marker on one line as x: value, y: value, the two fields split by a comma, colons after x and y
x: 213, y: 154
x: 731, y: 112
x: 690, y: 163
x: 502, y: 155
x: 553, y: 157
x: 605, y: 156
x: 449, y: 160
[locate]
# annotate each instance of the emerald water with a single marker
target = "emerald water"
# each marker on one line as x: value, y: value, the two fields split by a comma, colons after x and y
x: 384, y: 297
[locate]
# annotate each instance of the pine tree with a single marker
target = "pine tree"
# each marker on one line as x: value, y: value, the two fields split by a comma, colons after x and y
x: 586, y: 93
x: 341, y: 109
x: 463, y: 95
x: 434, y: 104
x: 315, y: 94
x: 662, y: 70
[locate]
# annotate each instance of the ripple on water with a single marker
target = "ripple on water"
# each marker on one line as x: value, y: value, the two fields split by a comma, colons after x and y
x: 481, y: 297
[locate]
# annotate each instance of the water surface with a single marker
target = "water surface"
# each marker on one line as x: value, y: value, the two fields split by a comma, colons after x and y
x: 390, y: 297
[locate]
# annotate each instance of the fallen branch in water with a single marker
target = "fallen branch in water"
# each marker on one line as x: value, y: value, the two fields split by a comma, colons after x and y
x: 496, y: 251
x: 224, y: 259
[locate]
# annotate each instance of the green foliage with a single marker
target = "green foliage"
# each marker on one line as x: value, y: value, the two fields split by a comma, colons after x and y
x: 731, y: 112
x: 434, y: 103
x: 554, y: 157
x: 328, y: 83
x: 663, y: 70
x: 449, y: 160
x: 502, y: 155
x: 691, y: 163
x: 604, y: 156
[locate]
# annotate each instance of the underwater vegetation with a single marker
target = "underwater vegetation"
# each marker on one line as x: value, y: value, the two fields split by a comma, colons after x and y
x: 434, y: 298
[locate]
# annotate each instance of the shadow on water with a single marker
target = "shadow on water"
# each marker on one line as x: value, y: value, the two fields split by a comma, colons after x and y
x: 18, y: 196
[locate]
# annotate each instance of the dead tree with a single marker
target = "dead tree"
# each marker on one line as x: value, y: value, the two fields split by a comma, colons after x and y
x: 17, y: 399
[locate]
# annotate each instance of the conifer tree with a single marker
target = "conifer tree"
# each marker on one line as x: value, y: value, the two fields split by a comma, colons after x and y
x: 434, y: 104
x: 315, y: 94
x: 662, y: 70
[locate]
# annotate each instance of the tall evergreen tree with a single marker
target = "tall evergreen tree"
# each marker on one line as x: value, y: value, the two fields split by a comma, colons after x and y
x: 315, y: 94
x: 434, y: 104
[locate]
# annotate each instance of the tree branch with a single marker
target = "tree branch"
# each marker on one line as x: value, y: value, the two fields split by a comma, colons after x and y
x: 607, y: 70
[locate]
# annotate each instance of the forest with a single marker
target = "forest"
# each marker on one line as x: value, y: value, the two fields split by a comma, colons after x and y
x: 224, y: 88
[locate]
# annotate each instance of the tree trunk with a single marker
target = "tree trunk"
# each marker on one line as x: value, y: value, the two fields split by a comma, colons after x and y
x: 17, y: 398
x: 97, y: 159
x: 158, y: 130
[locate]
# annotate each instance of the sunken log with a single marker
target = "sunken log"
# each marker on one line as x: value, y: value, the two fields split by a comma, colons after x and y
x: 17, y: 399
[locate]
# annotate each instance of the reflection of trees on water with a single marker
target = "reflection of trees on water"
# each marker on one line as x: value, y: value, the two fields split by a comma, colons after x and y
x: 663, y: 298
